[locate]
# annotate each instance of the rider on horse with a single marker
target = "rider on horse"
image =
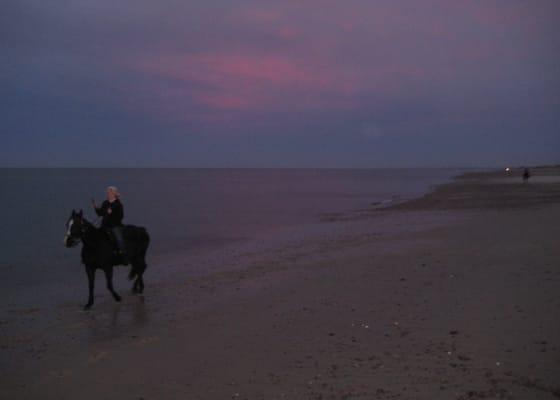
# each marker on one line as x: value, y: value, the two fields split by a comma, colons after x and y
x: 112, y: 212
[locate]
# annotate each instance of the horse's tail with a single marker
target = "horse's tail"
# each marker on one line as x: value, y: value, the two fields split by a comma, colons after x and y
x: 141, y: 242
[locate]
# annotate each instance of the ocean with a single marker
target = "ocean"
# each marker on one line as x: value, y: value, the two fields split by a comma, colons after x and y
x: 184, y: 210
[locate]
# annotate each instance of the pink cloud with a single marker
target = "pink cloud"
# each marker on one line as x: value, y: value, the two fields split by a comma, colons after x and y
x: 272, y: 70
x: 259, y: 15
x: 288, y: 33
x: 250, y: 81
x: 225, y: 101
x: 379, y: 51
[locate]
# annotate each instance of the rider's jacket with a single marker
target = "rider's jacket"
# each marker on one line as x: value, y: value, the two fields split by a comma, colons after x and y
x: 113, y: 219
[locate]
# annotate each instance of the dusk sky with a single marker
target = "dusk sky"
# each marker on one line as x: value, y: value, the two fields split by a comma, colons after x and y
x: 218, y: 83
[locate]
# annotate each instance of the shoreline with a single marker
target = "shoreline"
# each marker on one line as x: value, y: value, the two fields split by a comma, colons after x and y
x: 492, y: 189
x: 451, y: 295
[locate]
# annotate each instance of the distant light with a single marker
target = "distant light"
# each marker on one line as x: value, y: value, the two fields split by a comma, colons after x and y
x: 508, y: 169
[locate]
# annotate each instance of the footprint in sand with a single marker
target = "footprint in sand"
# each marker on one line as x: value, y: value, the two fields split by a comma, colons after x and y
x: 146, y: 340
x: 60, y: 374
x: 97, y: 356
x: 74, y: 326
x: 25, y: 311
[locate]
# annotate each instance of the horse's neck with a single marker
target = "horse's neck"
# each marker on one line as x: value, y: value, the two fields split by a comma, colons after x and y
x: 92, y: 235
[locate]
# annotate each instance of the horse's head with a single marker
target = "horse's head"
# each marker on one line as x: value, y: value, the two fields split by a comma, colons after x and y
x: 75, y: 227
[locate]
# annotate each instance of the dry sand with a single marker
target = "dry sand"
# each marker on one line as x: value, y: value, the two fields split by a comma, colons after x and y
x: 452, y: 296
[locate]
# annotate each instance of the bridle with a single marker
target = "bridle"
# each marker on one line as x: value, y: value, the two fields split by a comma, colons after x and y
x: 77, y: 239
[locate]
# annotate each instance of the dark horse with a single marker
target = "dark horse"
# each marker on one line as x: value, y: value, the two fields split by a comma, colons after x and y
x: 98, y: 252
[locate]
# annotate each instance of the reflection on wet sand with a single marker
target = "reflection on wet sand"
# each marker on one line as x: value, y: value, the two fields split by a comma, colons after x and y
x: 122, y: 319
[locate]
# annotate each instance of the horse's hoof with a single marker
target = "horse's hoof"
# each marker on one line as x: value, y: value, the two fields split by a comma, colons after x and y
x: 87, y: 306
x: 118, y: 299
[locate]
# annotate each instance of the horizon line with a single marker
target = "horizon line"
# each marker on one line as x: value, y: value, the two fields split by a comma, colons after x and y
x: 282, y: 167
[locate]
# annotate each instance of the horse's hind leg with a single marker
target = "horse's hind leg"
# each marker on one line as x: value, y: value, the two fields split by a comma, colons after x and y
x: 137, y: 270
x: 141, y: 270
x: 91, y: 285
x: 138, y: 286
x: 140, y: 282
x: 135, y: 286
x: 109, y: 278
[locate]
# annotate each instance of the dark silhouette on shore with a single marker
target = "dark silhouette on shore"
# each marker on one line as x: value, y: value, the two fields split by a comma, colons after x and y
x: 526, y: 175
x: 98, y: 252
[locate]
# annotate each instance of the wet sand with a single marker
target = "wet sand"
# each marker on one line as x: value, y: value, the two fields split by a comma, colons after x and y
x: 451, y: 296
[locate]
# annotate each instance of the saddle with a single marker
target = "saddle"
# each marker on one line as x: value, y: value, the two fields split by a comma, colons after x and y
x: 133, y: 237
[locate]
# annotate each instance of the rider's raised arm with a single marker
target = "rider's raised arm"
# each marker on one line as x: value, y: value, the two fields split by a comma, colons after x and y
x: 100, y: 211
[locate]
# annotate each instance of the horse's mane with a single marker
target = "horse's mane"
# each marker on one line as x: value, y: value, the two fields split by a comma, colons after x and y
x: 91, y: 228
x: 88, y: 224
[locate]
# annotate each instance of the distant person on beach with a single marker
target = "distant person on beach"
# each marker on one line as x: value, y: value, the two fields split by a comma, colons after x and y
x: 526, y: 175
x: 112, y: 212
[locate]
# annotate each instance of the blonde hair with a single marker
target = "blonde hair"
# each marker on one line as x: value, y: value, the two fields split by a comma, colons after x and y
x: 114, y: 190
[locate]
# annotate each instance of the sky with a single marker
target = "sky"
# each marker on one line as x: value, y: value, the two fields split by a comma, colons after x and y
x: 307, y: 83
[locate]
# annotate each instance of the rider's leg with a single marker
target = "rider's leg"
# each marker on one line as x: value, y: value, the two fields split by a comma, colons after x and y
x: 118, y: 235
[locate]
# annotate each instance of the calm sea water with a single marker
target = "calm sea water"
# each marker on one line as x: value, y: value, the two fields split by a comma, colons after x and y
x: 183, y: 209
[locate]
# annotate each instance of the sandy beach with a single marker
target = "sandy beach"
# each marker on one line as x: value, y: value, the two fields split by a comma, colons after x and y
x: 454, y: 295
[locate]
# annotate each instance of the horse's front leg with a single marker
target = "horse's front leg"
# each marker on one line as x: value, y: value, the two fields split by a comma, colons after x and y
x: 91, y: 285
x: 109, y: 278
